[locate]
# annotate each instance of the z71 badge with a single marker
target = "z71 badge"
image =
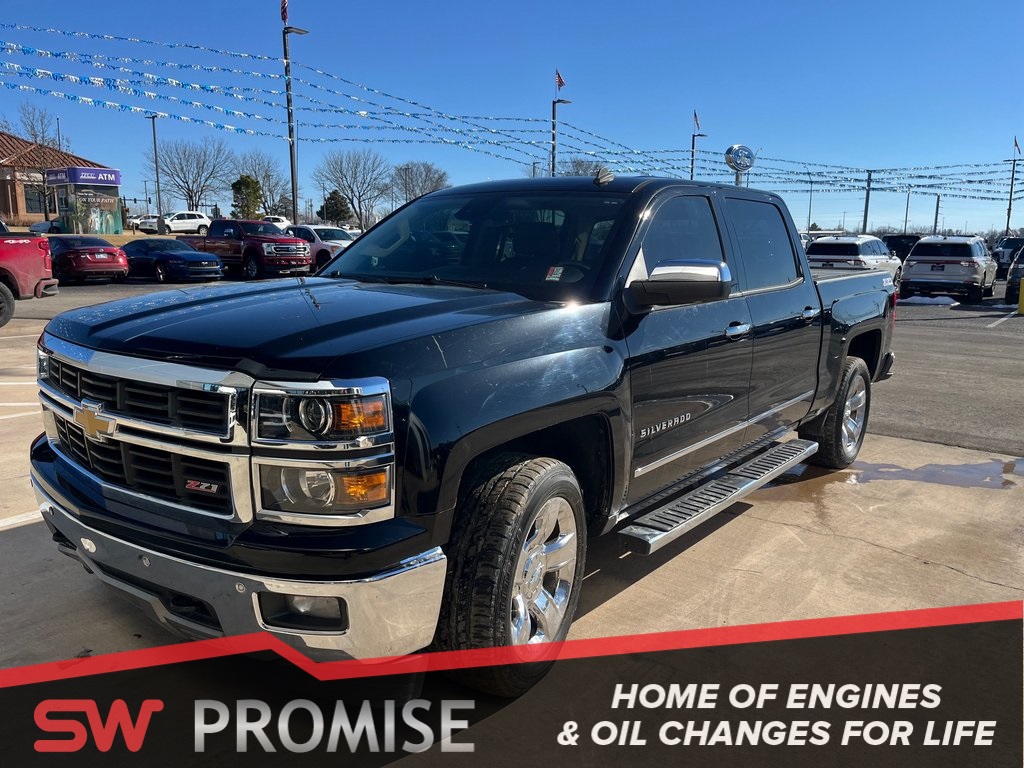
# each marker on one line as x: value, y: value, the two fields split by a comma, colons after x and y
x: 198, y: 485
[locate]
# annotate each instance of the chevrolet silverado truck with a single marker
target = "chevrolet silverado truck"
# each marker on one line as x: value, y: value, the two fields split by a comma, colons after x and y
x: 26, y: 270
x: 254, y: 248
x: 411, y: 449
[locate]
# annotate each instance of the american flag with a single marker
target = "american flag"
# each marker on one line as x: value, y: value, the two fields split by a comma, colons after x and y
x: 1016, y: 145
x: 559, y: 82
x: 284, y: 11
x: 696, y: 122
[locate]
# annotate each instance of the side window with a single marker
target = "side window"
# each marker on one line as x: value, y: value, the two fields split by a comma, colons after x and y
x: 682, y: 228
x: 217, y: 229
x: 763, y: 237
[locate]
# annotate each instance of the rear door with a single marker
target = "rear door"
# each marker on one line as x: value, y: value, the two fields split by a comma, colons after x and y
x: 689, y: 366
x: 785, y: 311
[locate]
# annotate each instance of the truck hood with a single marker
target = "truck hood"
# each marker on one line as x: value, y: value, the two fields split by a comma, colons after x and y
x: 275, y: 239
x: 283, y: 328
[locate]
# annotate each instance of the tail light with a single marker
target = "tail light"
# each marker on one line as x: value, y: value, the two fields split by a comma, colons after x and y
x: 44, y: 245
x: 121, y: 255
x: 969, y: 264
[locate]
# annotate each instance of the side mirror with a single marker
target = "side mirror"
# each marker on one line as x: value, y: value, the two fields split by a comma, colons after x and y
x: 691, y: 281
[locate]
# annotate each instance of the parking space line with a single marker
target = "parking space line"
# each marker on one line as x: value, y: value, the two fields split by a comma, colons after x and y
x: 19, y: 520
x: 26, y: 336
x: 1001, y: 320
x: 19, y: 415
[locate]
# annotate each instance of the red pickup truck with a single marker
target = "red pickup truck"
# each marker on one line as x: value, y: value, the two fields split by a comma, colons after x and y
x: 256, y: 248
x: 25, y: 270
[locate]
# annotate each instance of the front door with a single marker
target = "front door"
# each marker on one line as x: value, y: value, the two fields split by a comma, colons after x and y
x: 689, y: 379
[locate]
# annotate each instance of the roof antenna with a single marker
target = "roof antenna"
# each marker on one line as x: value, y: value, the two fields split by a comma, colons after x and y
x: 603, y: 176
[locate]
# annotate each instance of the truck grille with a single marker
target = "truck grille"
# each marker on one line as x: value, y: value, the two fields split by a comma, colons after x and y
x: 154, y: 403
x: 153, y: 472
x: 291, y: 249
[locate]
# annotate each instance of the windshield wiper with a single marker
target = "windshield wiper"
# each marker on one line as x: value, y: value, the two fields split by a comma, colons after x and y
x: 435, y: 280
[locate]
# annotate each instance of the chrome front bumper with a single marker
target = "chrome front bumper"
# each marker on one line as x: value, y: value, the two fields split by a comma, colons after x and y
x: 390, y: 613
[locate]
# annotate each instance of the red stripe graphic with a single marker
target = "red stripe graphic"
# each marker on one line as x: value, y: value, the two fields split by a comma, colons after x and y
x: 570, y: 649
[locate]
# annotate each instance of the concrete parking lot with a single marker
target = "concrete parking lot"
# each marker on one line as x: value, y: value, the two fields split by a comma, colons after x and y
x: 928, y: 516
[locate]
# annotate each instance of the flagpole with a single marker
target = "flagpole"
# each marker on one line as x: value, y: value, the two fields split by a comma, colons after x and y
x: 1013, y: 178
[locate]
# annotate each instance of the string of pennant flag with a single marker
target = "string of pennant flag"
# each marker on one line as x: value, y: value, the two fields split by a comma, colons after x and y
x: 514, y: 139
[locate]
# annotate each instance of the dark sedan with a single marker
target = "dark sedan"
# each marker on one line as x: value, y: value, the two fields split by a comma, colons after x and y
x: 76, y: 257
x: 165, y: 259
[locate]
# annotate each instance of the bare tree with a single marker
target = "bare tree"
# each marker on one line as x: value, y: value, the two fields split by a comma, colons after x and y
x: 579, y: 166
x: 362, y: 176
x: 37, y: 125
x: 274, y: 185
x: 196, y: 171
x: 413, y: 179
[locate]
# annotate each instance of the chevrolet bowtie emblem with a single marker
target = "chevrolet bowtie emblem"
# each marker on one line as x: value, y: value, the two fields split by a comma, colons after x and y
x: 94, y: 424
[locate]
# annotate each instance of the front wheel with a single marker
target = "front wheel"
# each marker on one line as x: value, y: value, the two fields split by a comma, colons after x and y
x: 160, y: 273
x: 251, y: 268
x: 516, y: 569
x: 840, y: 431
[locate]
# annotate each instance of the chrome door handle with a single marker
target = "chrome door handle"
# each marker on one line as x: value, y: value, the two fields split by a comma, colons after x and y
x: 810, y: 313
x: 738, y: 330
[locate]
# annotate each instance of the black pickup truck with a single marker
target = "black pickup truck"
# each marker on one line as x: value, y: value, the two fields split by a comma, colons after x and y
x: 412, y: 448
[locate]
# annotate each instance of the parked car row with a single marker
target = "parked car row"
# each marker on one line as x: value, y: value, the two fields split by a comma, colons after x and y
x: 79, y: 257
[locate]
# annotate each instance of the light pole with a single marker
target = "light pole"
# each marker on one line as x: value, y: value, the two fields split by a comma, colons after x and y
x: 906, y: 212
x: 554, y: 119
x: 292, y: 155
x: 1009, y: 205
x: 693, y: 148
x: 161, y: 227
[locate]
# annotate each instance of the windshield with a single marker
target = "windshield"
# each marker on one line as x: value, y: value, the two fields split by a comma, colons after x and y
x: 333, y: 234
x: 543, y: 246
x: 260, y: 228
x: 1012, y: 243
x: 818, y: 248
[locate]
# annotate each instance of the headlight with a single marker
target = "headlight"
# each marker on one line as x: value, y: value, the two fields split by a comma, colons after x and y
x: 320, y: 416
x: 322, y: 490
x: 268, y: 249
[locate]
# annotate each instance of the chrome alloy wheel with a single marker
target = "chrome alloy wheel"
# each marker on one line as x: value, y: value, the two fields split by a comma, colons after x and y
x: 854, y: 414
x: 544, y: 573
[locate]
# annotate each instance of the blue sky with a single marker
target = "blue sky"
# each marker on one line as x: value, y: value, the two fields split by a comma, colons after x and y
x: 811, y: 87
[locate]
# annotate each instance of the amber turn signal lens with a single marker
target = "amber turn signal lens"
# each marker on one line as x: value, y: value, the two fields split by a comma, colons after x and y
x: 364, y: 489
x: 361, y: 417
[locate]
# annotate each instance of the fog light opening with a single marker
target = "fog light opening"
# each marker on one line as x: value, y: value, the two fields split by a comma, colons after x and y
x: 304, y: 612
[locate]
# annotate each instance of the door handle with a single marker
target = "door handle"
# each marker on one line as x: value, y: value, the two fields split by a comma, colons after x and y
x: 737, y: 331
x: 810, y: 313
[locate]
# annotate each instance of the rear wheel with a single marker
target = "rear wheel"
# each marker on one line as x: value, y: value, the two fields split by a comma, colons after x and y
x: 516, y: 567
x: 840, y: 432
x: 6, y: 305
x: 975, y: 294
x: 160, y: 273
x: 202, y: 230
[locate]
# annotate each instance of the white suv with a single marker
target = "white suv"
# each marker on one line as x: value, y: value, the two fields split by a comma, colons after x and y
x: 179, y: 221
x: 949, y: 266
x: 853, y: 252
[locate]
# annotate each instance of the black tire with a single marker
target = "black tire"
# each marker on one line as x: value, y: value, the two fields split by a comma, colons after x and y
x: 202, y: 230
x: 837, y: 446
x: 160, y: 273
x: 906, y: 293
x: 251, y: 268
x: 489, y: 579
x: 990, y: 291
x: 321, y: 258
x: 975, y: 295
x: 1012, y: 297
x: 119, y: 278
x: 6, y: 305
